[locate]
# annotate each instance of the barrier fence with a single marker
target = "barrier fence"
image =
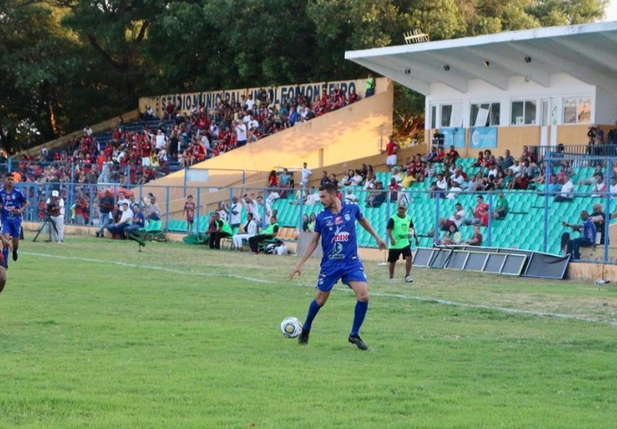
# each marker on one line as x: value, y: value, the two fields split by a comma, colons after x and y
x: 533, y: 220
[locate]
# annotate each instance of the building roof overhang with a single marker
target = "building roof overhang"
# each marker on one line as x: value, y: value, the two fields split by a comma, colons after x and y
x: 586, y: 52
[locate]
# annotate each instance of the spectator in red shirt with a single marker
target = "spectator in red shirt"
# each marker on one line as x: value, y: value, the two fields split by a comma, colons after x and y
x: 391, y: 150
x: 199, y: 152
x: 476, y: 238
x: 526, y: 155
x: 479, y: 211
x: 441, y: 154
x: 189, y: 209
x: 353, y: 97
x: 145, y: 150
x: 170, y: 110
x: 453, y: 153
x: 272, y: 180
x: 480, y: 161
x: 393, y: 187
x: 521, y: 182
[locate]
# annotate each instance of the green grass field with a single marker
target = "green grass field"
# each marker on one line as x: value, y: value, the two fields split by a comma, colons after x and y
x: 94, y: 334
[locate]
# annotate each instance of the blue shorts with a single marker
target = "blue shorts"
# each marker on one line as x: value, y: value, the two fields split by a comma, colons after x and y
x: 330, y: 276
x: 12, y: 227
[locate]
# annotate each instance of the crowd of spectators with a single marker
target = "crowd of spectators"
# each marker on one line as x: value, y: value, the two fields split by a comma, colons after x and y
x: 122, y: 215
x: 206, y: 134
x: 136, y: 156
x: 130, y: 157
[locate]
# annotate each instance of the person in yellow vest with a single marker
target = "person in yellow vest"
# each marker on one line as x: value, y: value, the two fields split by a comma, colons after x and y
x: 268, y: 233
x: 218, y: 229
x: 370, y: 86
x: 398, y: 229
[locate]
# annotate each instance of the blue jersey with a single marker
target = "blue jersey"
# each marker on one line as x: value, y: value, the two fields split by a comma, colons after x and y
x: 589, y: 232
x: 338, y: 236
x: 11, y: 200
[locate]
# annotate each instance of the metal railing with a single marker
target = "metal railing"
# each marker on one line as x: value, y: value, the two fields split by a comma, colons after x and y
x: 532, y: 222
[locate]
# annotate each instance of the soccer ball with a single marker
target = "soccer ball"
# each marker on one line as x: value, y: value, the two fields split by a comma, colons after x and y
x: 291, y: 327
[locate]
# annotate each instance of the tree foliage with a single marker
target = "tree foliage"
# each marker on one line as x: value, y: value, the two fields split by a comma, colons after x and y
x: 66, y: 63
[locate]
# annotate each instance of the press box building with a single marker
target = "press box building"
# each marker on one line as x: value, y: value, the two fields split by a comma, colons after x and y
x: 540, y: 87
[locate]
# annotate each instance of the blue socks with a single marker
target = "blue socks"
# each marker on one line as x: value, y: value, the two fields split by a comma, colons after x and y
x: 359, y: 314
x: 5, y: 253
x: 312, y: 312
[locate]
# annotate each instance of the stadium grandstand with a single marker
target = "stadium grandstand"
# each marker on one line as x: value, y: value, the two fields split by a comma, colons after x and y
x: 510, y: 118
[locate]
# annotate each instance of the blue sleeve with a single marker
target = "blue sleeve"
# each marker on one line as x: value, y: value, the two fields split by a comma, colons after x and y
x: 22, y: 197
x: 318, y: 226
x: 359, y: 215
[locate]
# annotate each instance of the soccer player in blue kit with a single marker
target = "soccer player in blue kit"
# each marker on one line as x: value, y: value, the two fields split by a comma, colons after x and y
x: 5, y: 243
x: 14, y: 204
x: 336, y: 226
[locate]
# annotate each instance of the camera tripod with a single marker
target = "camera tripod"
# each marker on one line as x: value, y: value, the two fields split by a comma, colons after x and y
x: 51, y: 224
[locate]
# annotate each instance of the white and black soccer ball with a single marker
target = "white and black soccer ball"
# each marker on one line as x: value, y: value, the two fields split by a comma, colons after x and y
x: 291, y: 327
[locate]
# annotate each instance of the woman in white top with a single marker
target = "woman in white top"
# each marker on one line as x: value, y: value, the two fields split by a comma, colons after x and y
x: 370, y: 182
x: 613, y: 188
x: 455, y: 188
x: 357, y: 178
x: 442, y: 184
x: 347, y: 180
x: 599, y: 188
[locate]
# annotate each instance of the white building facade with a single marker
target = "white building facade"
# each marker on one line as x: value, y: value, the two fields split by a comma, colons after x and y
x: 532, y: 87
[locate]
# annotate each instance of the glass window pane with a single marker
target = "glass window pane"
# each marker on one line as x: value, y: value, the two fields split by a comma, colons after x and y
x: 530, y: 112
x: 446, y: 115
x: 584, y: 110
x: 517, y: 113
x: 474, y: 114
x: 495, y: 114
x: 433, y: 117
x: 569, y: 111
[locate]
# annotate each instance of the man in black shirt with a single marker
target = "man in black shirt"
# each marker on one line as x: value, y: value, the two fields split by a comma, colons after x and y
x: 173, y: 146
x: 325, y: 179
x: 106, y: 205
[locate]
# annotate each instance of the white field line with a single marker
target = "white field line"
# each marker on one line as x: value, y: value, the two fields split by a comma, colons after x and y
x: 345, y: 289
x: 148, y: 267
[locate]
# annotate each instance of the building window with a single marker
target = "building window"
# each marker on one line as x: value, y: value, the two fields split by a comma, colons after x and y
x: 446, y: 115
x: 433, y: 117
x: 485, y: 115
x: 523, y: 112
x: 577, y: 110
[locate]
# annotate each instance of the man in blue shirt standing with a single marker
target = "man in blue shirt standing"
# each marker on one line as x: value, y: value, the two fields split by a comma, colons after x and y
x: 5, y: 244
x: 15, y: 203
x: 587, y: 238
x: 336, y: 226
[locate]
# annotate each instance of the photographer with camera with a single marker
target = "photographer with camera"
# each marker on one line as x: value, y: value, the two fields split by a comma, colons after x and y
x: 54, y: 208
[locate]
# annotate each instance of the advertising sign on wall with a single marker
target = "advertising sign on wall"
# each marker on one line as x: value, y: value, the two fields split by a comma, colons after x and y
x: 453, y: 136
x: 211, y: 99
x: 483, y: 138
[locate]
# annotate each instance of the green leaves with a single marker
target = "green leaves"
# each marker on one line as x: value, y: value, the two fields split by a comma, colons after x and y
x: 89, y: 60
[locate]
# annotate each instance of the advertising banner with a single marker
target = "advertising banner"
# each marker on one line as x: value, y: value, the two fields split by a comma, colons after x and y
x: 453, y: 136
x: 211, y: 99
x: 483, y: 138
